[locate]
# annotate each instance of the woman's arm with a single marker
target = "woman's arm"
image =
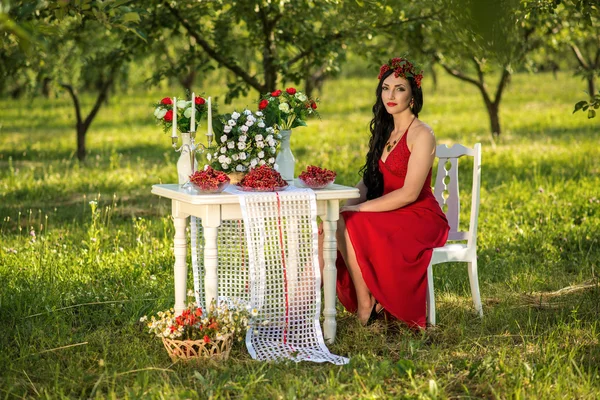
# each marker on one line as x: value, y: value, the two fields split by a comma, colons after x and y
x: 362, y: 189
x: 419, y: 164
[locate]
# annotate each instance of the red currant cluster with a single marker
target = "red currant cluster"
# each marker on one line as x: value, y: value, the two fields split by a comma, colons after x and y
x: 263, y: 178
x: 316, y: 177
x: 209, y: 180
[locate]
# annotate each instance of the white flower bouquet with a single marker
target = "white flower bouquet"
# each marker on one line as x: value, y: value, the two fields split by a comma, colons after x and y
x: 243, y: 141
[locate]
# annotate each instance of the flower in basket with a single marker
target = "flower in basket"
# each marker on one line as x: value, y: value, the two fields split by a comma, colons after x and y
x: 263, y: 178
x: 316, y: 177
x: 218, y: 323
x: 244, y: 141
x: 209, y: 180
x: 163, y: 112
x: 287, y: 108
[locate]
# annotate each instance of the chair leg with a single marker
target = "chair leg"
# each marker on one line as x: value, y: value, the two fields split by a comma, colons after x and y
x: 474, y: 281
x: 430, y: 297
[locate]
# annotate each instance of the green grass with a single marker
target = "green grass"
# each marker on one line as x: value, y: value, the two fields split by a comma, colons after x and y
x: 72, y: 294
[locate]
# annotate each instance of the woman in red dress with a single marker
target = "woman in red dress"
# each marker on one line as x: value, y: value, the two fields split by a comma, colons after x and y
x: 386, y: 237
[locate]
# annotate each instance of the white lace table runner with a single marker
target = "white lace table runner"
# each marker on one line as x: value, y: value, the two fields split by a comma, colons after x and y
x: 270, y: 259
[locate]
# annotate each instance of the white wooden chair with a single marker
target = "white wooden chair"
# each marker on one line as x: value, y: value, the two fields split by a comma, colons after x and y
x: 447, y: 195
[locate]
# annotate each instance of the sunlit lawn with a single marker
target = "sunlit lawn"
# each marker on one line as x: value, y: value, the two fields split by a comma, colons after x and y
x: 75, y: 282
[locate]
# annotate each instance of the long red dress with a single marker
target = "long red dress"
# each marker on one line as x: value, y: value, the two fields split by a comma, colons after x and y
x: 393, y: 248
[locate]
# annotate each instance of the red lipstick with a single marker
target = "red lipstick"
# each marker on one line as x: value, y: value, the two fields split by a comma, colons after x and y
x: 390, y: 104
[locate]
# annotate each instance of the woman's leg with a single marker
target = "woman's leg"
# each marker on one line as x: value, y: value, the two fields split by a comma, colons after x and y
x: 363, y: 295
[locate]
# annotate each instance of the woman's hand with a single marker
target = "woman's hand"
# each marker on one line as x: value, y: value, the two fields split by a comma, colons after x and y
x: 355, y: 208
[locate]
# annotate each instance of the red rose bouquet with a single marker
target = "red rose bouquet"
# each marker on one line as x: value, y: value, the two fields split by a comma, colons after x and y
x: 263, y: 178
x: 317, y: 178
x: 163, y: 112
x: 209, y: 180
x: 287, y: 109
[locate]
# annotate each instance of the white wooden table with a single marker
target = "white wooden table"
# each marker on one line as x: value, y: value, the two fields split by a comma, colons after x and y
x: 214, y: 208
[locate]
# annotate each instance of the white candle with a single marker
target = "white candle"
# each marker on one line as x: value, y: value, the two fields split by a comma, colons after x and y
x: 210, y: 131
x: 174, y: 117
x: 193, y: 120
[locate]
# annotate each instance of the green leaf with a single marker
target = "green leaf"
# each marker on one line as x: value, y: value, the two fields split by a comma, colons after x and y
x: 591, y: 114
x: 579, y: 105
x: 585, y: 107
x: 131, y: 17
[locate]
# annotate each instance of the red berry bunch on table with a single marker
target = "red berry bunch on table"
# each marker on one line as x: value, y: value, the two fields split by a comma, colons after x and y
x: 263, y: 178
x: 316, y: 177
x: 209, y: 180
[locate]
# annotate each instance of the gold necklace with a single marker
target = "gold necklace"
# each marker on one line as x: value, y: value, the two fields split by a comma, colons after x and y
x: 389, y: 146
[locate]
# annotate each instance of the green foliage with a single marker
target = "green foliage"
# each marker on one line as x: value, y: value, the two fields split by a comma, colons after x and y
x: 76, y: 279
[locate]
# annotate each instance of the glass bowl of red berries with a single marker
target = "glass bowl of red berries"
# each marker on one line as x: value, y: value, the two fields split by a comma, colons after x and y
x: 209, y: 180
x: 316, y: 178
x: 262, y: 179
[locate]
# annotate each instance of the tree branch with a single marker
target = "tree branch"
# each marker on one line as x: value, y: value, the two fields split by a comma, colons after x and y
x: 579, y: 57
x: 227, y: 63
x: 479, y: 70
x: 501, y: 84
x: 71, y: 91
x: 460, y: 75
x: 100, y: 99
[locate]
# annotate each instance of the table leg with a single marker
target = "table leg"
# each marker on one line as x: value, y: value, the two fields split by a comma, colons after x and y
x: 180, y: 268
x: 330, y: 271
x: 210, y: 226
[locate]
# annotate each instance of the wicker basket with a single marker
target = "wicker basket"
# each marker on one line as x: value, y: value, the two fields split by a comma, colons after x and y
x: 188, y: 350
x: 236, y: 177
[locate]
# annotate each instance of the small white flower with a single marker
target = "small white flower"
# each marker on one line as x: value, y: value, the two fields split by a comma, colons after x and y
x: 188, y: 112
x: 253, y: 162
x: 206, y: 166
x: 235, y: 157
x: 271, y: 143
x: 273, y: 150
x: 271, y: 160
x: 270, y: 130
x: 269, y: 137
x: 242, y: 156
x: 262, y: 162
x: 223, y: 150
x: 230, y: 145
x: 226, y: 129
x: 209, y: 156
x: 285, y: 107
x: 259, y: 113
x: 247, y: 112
x: 231, y: 122
x: 261, y: 154
x: 235, y: 115
x: 260, y: 145
x: 300, y: 96
x: 249, y: 123
x: 224, y: 166
x: 258, y: 137
x: 239, y: 168
x: 276, y: 167
x: 182, y: 103
x: 241, y: 146
x: 222, y: 158
x: 261, y: 124
x: 223, y: 138
x: 228, y: 160
x: 244, y: 128
x: 243, y: 138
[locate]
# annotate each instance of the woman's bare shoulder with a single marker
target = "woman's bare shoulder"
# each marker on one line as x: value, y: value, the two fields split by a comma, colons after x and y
x: 422, y: 133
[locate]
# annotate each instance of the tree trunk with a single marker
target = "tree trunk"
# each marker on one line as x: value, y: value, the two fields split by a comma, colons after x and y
x: 83, y: 125
x: 81, y: 150
x: 187, y: 81
x: 492, y: 110
x: 591, y: 86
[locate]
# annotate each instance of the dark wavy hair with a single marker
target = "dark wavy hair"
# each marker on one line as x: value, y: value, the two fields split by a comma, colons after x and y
x: 381, y: 127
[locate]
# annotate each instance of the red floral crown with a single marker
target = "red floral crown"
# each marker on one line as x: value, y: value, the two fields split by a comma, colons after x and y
x: 402, y: 67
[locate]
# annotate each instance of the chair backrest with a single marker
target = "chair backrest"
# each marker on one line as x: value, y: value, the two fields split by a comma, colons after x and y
x: 446, y: 188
